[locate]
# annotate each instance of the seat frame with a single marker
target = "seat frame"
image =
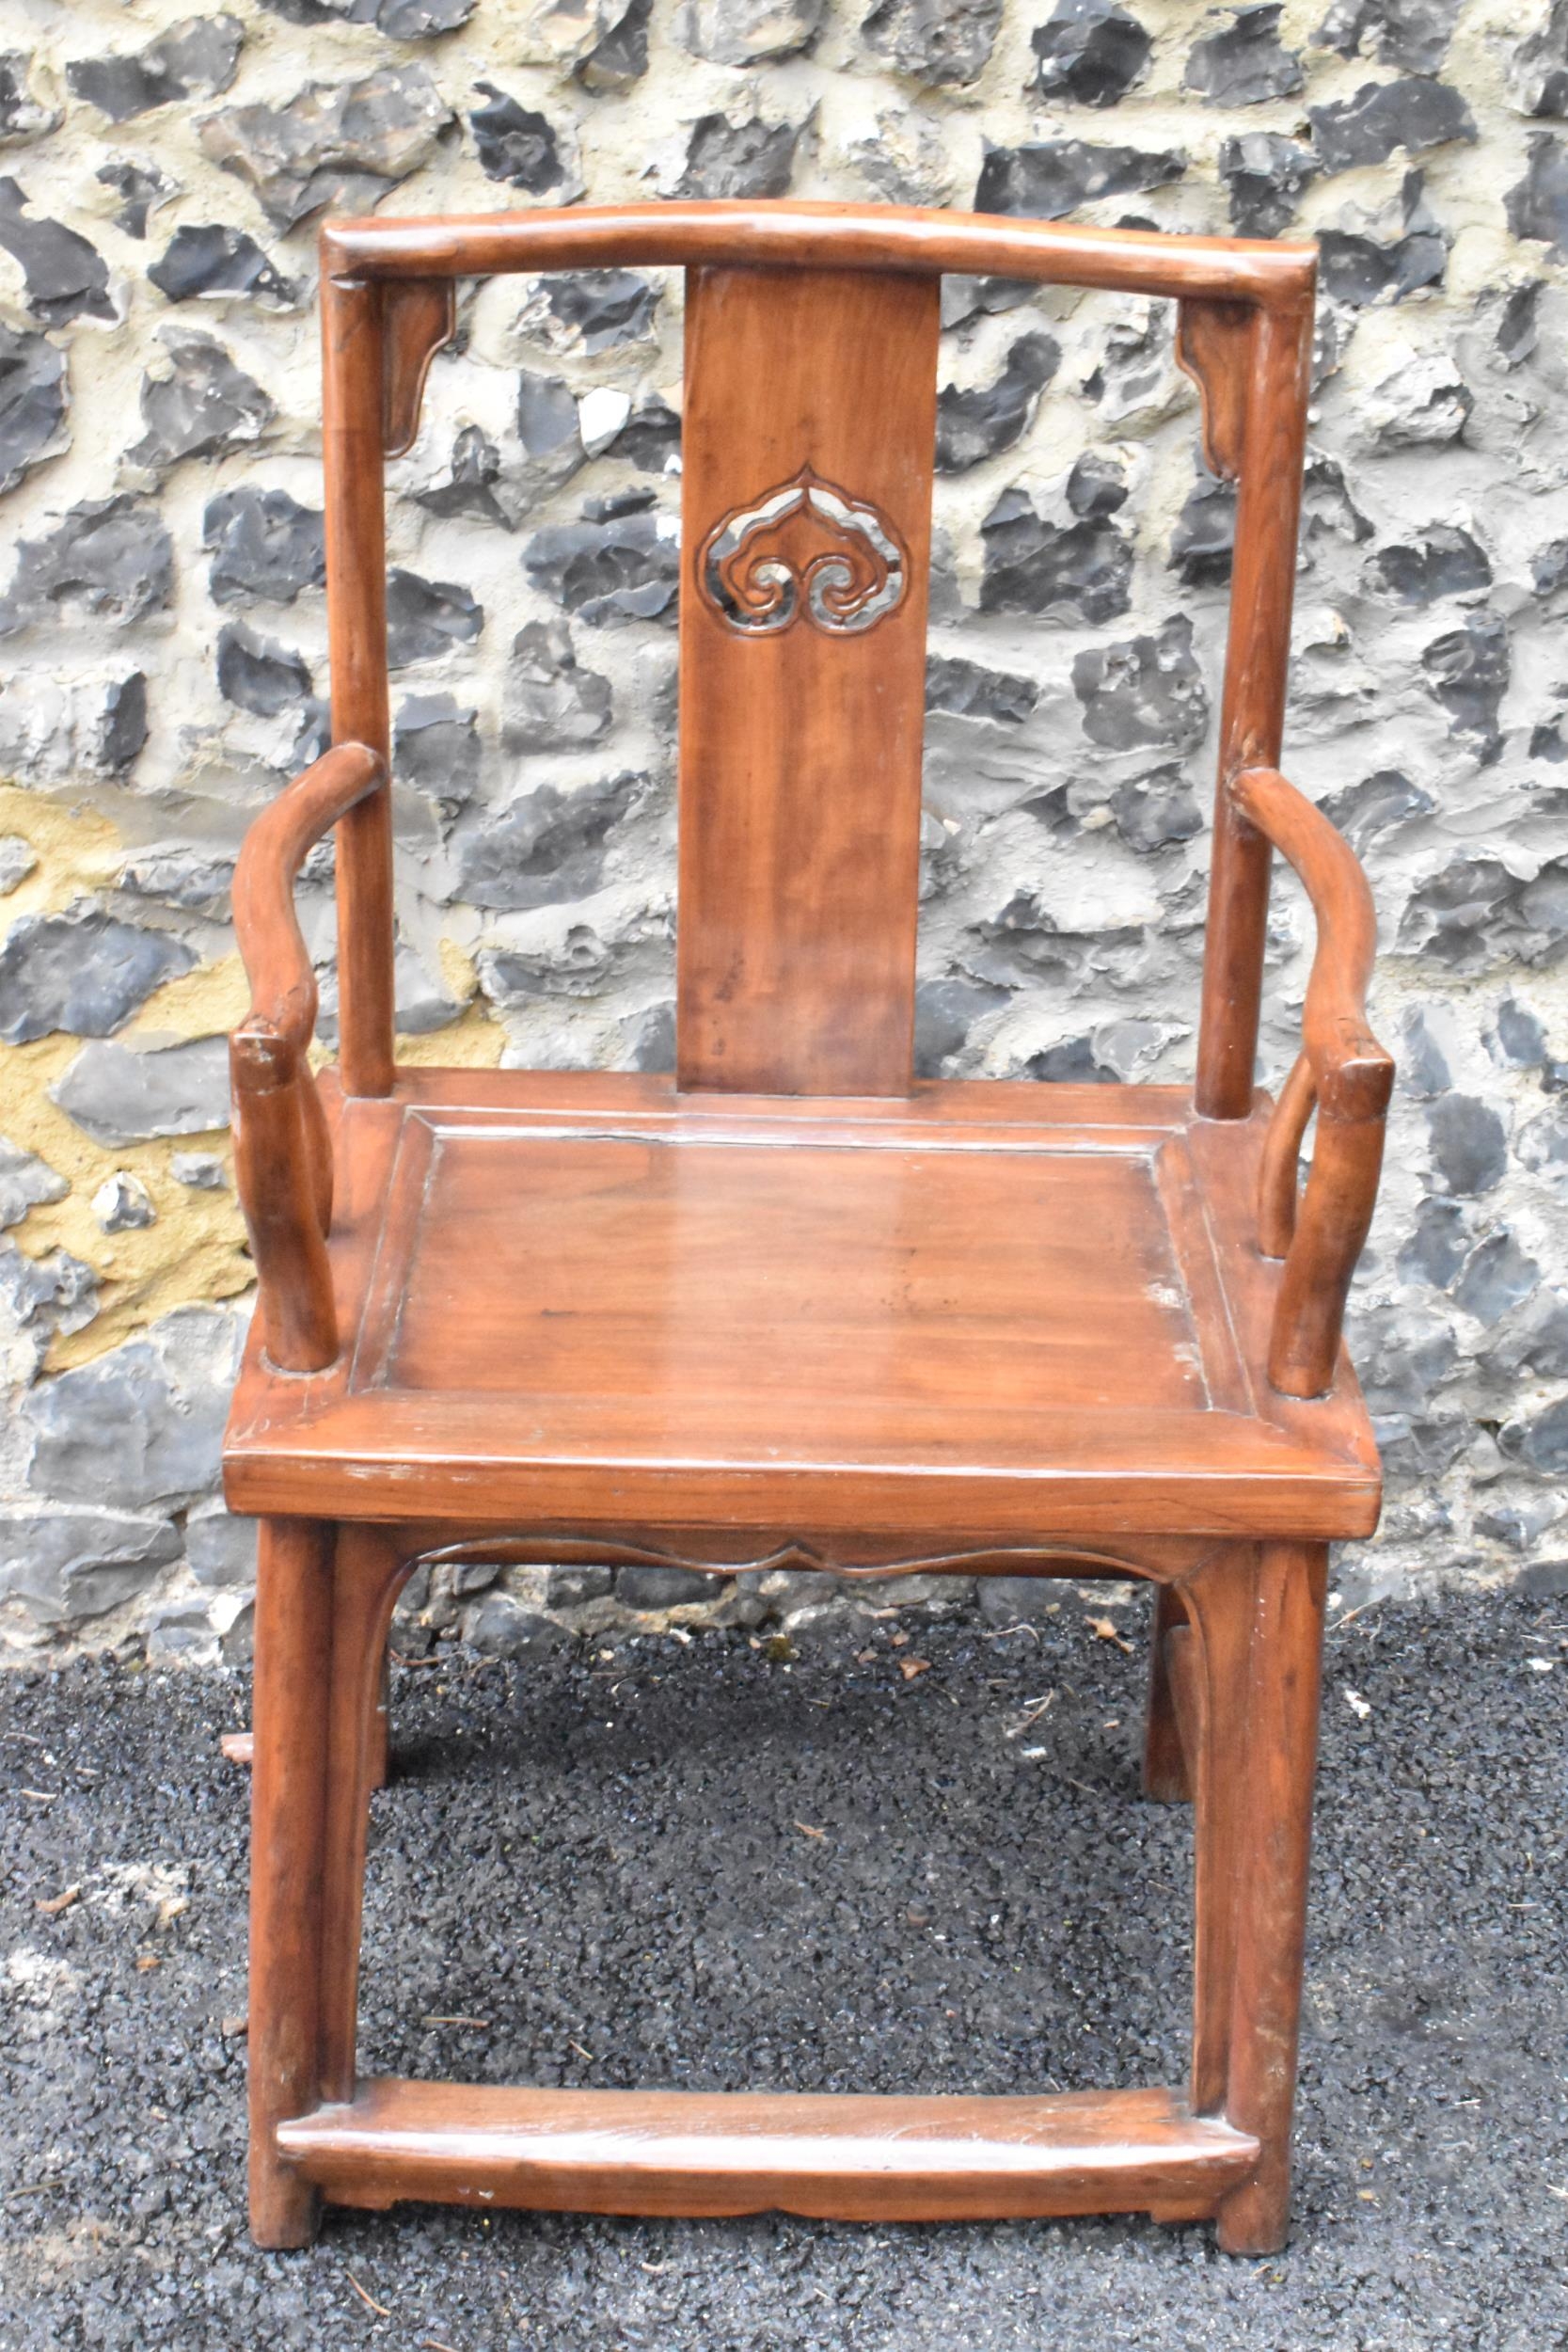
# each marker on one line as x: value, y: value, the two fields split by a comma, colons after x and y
x: 1238, y: 1578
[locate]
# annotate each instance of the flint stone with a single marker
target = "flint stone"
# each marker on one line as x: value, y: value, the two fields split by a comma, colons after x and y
x: 23, y: 116
x: 83, y: 971
x: 1468, y: 671
x: 545, y: 846
x: 1017, y: 1600
x: 620, y: 56
x: 66, y: 276
x: 122, y: 1095
x: 1376, y: 804
x: 17, y: 859
x: 427, y: 617
x: 569, y: 1587
x: 68, y: 1566
x: 57, y: 1293
x: 1538, y: 78
x: 143, y: 1424
x: 1469, y: 1146
x: 1265, y: 175
x: 498, y: 1626
x: 1361, y: 271
x: 591, y: 309
x: 1246, y: 62
x: 651, y: 437
x: 975, y: 424
x: 204, y: 407
x: 551, y: 705
x: 745, y: 32
x: 1540, y: 1441
x: 739, y: 159
x: 515, y: 144
x: 216, y: 260
x: 1144, y: 690
x: 1045, y: 180
x: 1096, y: 484
x: 32, y: 403
x: 122, y: 1203
x: 342, y: 145
x: 265, y: 547
x: 1475, y: 912
x: 436, y: 746
x: 1410, y: 33
x: 1153, y: 810
x: 108, y: 556
x: 139, y: 186
x: 653, y: 1038
x: 25, y: 1183
x: 1414, y: 114
x: 1536, y: 1342
x: 470, y: 489
x: 51, y: 728
x: 1438, y: 1244
x: 1032, y: 565
x: 1089, y: 51
x: 258, y: 674
x: 1538, y: 207
x: 1420, y: 405
x: 400, y: 20
x: 196, y: 879
x: 203, y: 1171
x: 652, y: 1587
x: 1424, y: 1068
x: 944, y: 1014
x: 1496, y: 1277
x: 1519, y: 1039
x: 196, y: 58
x: 623, y: 568
x: 1205, y: 536
x: 1447, y: 563
x: 945, y: 43
x: 966, y: 689
x: 1073, y: 1062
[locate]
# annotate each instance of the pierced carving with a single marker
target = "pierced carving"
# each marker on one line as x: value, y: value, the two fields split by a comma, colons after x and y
x: 1214, y: 345
x: 417, y: 316
x: 804, y: 551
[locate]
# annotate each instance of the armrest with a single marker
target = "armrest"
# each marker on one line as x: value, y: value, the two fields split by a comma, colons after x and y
x: 1342, y: 1072
x: 282, y: 1153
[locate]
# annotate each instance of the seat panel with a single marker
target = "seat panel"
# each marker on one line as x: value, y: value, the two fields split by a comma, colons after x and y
x: 1000, y: 1309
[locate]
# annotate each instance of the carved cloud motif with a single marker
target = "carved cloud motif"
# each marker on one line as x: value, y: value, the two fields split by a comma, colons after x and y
x: 805, y: 551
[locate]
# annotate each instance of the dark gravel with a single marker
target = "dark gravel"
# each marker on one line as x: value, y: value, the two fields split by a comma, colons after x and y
x: 606, y: 1859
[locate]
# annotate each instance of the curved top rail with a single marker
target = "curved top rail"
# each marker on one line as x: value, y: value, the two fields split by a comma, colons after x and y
x: 272, y: 946
x: 775, y: 234
x: 1354, y: 1073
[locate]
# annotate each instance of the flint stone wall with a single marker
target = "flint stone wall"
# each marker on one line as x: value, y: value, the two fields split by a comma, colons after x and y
x: 164, y: 658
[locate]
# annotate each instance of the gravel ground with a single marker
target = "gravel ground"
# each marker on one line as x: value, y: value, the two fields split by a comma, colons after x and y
x: 701, y: 1863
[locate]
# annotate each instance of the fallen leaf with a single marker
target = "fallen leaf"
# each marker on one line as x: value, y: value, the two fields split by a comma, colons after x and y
x: 170, y: 1908
x: 233, y: 2028
x: 910, y: 1667
x: 1105, y: 1629
x: 1356, y: 1704
x: 369, y: 2300
x: 480, y: 2024
x: 146, y: 1960
x: 806, y: 1830
x: 56, y: 1903
x: 238, y: 1747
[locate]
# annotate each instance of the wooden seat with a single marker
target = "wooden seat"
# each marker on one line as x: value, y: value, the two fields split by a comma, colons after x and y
x: 615, y: 1304
x: 787, y: 1305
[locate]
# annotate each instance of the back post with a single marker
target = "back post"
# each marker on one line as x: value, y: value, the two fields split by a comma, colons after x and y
x: 353, y: 438
x: 1276, y: 353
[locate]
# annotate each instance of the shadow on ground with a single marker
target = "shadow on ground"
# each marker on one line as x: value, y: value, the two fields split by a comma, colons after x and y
x: 701, y: 1864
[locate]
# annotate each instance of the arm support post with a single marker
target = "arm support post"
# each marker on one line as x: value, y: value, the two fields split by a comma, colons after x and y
x: 1342, y: 1072
x: 282, y: 1152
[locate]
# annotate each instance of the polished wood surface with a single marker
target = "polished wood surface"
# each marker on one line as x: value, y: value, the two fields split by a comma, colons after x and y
x: 590, y: 1301
x: 790, y: 1309
x: 800, y: 743
x: 853, y: 2158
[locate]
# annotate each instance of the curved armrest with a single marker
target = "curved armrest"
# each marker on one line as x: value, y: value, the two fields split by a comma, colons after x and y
x: 1342, y: 1072
x: 282, y: 1154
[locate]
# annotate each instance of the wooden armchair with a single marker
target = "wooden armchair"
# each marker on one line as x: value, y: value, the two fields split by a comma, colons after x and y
x: 790, y: 1305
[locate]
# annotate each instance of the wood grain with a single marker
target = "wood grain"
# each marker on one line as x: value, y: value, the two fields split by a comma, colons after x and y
x: 800, y: 747
x: 848, y: 2158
